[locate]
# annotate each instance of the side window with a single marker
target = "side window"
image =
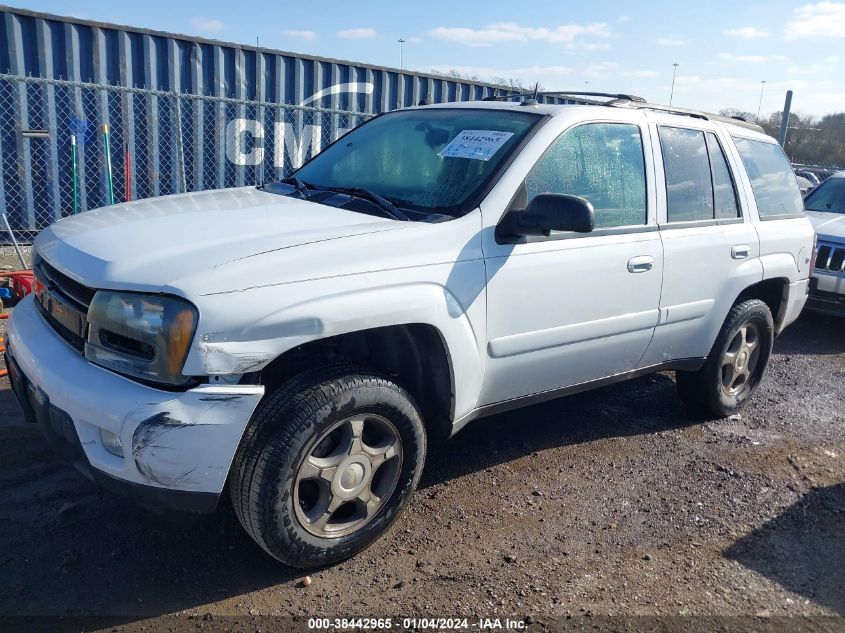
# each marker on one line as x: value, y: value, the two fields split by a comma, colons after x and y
x: 724, y: 193
x: 602, y: 162
x: 689, y: 190
x: 772, y: 179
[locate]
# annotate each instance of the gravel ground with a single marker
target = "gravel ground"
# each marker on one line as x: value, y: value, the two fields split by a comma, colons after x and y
x: 612, y: 502
x: 9, y: 258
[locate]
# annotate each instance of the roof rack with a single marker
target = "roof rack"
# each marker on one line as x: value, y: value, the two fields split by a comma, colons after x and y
x: 573, y: 95
x: 696, y: 114
x: 633, y: 101
x: 565, y: 94
x: 623, y: 101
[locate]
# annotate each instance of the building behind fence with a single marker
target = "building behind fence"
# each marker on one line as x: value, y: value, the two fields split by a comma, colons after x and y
x: 182, y: 114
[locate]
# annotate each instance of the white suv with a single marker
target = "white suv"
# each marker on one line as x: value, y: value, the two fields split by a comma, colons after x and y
x: 298, y: 346
x: 826, y: 209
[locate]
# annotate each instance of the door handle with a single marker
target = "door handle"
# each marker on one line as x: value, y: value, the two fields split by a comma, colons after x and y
x: 740, y: 251
x: 641, y: 264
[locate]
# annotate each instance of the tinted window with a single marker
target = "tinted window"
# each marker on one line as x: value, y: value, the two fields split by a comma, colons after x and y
x: 828, y: 197
x: 724, y: 194
x: 689, y: 191
x: 772, y: 179
x: 602, y: 162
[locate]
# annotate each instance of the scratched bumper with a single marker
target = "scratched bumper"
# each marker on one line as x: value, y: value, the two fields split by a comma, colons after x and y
x: 181, y: 441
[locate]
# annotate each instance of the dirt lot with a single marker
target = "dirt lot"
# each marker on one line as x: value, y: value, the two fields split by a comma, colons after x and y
x: 611, y: 502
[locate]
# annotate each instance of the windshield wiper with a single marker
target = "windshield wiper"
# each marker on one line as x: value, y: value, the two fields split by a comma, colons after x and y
x: 300, y: 186
x: 383, y: 203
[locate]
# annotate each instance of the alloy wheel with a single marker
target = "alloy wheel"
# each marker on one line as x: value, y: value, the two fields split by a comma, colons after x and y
x: 347, y: 475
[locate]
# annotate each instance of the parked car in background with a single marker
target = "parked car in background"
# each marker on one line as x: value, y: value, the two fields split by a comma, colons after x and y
x: 826, y: 209
x: 808, y: 175
x: 294, y: 348
x: 805, y: 186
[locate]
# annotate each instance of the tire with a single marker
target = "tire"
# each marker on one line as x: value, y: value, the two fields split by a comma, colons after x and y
x: 728, y: 379
x: 299, y: 458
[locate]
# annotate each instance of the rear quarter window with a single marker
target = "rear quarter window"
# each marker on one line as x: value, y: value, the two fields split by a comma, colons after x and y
x: 772, y: 180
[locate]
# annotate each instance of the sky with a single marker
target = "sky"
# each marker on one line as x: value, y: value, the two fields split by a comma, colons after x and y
x: 724, y: 50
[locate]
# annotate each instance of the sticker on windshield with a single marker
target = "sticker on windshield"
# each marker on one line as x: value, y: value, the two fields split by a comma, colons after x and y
x: 476, y: 144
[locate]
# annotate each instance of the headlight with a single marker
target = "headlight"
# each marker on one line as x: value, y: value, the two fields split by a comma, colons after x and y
x: 145, y: 336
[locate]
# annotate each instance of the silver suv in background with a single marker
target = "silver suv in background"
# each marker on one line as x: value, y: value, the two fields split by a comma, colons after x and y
x: 825, y: 207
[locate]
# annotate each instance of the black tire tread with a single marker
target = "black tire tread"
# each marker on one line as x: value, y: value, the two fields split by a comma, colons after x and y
x: 694, y: 387
x: 288, y: 412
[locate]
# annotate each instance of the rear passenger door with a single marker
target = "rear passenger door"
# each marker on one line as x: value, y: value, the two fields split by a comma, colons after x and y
x: 711, y: 249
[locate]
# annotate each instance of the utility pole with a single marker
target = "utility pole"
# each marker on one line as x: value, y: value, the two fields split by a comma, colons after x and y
x: 784, y: 121
x: 401, y: 45
x: 760, y: 105
x: 674, y: 72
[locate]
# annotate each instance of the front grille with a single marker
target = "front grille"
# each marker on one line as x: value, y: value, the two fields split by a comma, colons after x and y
x: 830, y: 257
x: 57, y: 280
x: 71, y: 338
x: 76, y: 295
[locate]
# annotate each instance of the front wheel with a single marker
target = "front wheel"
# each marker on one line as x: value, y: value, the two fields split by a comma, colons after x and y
x: 736, y: 363
x: 330, y: 460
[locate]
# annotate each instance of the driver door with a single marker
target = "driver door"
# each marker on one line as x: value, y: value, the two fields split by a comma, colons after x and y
x: 575, y: 307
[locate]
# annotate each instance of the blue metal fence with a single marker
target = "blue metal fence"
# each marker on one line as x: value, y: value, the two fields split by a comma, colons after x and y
x: 184, y: 113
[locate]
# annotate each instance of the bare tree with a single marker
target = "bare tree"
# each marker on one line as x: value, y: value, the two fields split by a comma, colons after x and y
x: 810, y: 140
x: 516, y: 84
x: 736, y: 113
x: 509, y: 85
x: 454, y: 74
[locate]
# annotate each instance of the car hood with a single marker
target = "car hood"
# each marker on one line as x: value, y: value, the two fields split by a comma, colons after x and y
x: 150, y: 243
x: 828, y: 224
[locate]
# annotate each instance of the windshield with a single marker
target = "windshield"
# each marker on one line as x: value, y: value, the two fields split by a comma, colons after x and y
x: 434, y: 159
x: 828, y: 197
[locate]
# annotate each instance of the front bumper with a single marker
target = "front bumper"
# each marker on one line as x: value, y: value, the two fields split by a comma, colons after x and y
x: 178, y: 446
x: 827, y: 294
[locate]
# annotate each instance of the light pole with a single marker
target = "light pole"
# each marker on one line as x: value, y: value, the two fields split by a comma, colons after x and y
x: 401, y: 44
x: 760, y: 105
x: 674, y: 72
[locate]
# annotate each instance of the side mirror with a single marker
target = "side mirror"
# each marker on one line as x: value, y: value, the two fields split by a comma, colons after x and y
x: 549, y: 212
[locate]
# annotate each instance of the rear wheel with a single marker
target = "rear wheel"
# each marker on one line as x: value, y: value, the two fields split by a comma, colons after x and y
x: 736, y: 363
x: 330, y: 460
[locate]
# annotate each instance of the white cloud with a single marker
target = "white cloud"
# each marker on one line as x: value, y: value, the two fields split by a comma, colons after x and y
x: 670, y: 40
x: 833, y: 59
x: 528, y: 75
x: 594, y: 46
x: 357, y: 34
x: 302, y: 35
x: 623, y: 18
x: 513, y: 32
x: 826, y: 68
x: 600, y: 69
x: 207, y: 25
x: 642, y: 74
x: 747, y: 32
x: 822, y: 19
x: 752, y: 59
x: 749, y: 59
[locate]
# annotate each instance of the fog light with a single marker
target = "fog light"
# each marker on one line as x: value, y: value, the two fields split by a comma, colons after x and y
x: 111, y: 442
